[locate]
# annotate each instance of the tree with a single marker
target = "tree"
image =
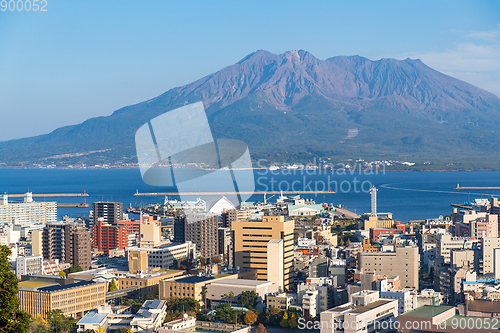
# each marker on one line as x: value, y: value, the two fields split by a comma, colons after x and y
x: 100, y: 329
x: 61, y: 273
x: 39, y: 325
x: 112, y: 285
x: 225, y: 298
x: 58, y: 321
x: 203, y: 261
x: 261, y: 328
x: 292, y: 322
x: 231, y: 295
x: 284, y: 320
x: 248, y: 299
x: 250, y: 317
x: 12, y: 319
x: 74, y: 269
x: 203, y: 294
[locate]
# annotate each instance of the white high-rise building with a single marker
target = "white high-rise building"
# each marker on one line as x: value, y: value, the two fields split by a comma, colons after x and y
x: 373, y: 192
x: 27, y: 212
x: 29, y: 265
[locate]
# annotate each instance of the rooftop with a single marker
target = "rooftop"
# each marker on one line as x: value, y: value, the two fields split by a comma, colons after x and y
x: 34, y: 284
x: 192, y: 279
x: 57, y: 287
x: 428, y: 311
x: 349, y: 307
x: 92, y: 317
x: 240, y: 282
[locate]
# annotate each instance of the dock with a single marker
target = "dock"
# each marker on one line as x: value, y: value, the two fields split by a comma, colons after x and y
x: 137, y: 194
x: 50, y: 195
x: 461, y: 206
x: 477, y: 188
x: 78, y: 205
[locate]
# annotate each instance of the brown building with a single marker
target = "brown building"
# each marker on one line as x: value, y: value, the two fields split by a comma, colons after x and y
x: 200, y: 229
x: 250, y: 239
x: 146, y: 283
x: 403, y: 261
x: 39, y: 296
x: 107, y: 237
x: 230, y: 215
x: 68, y: 242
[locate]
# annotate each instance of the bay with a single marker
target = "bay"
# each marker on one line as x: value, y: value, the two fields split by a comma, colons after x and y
x: 408, y: 195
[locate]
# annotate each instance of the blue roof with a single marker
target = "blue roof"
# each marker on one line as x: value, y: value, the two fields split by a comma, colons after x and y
x: 193, y: 279
x: 72, y: 285
x: 93, y: 317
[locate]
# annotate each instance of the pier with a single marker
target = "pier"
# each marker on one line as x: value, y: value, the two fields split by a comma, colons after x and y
x: 477, y: 188
x: 50, y: 195
x: 78, y: 205
x: 137, y: 194
x: 461, y: 206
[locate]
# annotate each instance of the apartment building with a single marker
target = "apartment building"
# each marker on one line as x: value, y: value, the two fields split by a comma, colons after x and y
x: 403, y: 261
x: 29, y: 265
x: 166, y: 257
x: 27, y: 212
x: 107, y: 237
x: 110, y: 212
x: 446, y: 242
x: 488, y: 246
x: 250, y: 245
x: 67, y: 242
x: 200, y: 229
x: 39, y: 296
x: 230, y: 215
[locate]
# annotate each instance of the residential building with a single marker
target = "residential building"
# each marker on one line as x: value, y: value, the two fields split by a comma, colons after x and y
x: 230, y: 215
x: 111, y: 212
x: 446, y: 242
x: 488, y: 245
x: 224, y: 244
x: 407, y: 300
x: 165, y: 257
x: 150, y: 234
x: 67, y: 242
x: 281, y: 301
x: 326, y: 293
x: 29, y: 265
x: 200, y: 229
x: 107, y: 237
x: 250, y: 245
x: 28, y: 211
x: 403, y: 261
x: 189, y: 286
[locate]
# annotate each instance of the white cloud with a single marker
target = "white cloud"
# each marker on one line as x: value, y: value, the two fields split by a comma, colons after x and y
x: 476, y: 62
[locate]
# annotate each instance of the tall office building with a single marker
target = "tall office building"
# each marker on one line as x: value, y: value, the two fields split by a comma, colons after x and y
x: 250, y: 245
x: 111, y: 212
x: 28, y: 211
x: 200, y: 229
x: 67, y: 242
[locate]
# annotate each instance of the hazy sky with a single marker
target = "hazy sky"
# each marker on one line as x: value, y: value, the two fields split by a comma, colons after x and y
x: 82, y: 59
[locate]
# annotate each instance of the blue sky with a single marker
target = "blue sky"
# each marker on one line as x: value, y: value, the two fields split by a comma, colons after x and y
x: 82, y: 59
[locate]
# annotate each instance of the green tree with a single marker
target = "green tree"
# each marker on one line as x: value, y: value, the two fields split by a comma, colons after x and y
x: 12, y: 319
x: 58, y: 321
x: 39, y: 325
x: 231, y: 295
x: 112, y: 285
x: 284, y: 320
x: 74, y: 269
x: 292, y: 322
x: 248, y: 299
x: 61, y: 273
x: 203, y: 294
x: 203, y: 261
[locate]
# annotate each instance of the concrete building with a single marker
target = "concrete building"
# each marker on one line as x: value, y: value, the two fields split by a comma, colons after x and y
x: 27, y: 212
x: 189, y: 286
x: 146, y: 282
x: 107, y: 237
x: 281, y: 301
x: 488, y: 245
x: 325, y: 288
x: 407, y: 300
x: 230, y: 215
x: 429, y: 297
x: 403, y: 261
x: 41, y: 295
x: 446, y: 242
x: 275, y: 263
x: 361, y: 314
x: 29, y: 265
x: 200, y: 229
x: 150, y: 234
x: 110, y: 212
x: 67, y: 242
x: 224, y: 244
x: 165, y: 257
x: 217, y: 289
x: 250, y: 242
x: 37, y: 242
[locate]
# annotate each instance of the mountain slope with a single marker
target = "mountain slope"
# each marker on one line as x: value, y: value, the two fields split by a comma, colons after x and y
x: 294, y: 104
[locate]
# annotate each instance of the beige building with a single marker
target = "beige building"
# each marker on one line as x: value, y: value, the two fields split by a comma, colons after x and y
x: 74, y: 299
x: 217, y: 289
x: 137, y: 260
x: 150, y: 234
x: 189, y: 286
x: 146, y: 283
x: 251, y: 238
x: 230, y: 215
x: 384, y: 221
x: 359, y: 315
x: 489, y: 244
x: 446, y: 242
x: 275, y: 263
x: 165, y: 257
x: 37, y: 242
x: 403, y: 261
